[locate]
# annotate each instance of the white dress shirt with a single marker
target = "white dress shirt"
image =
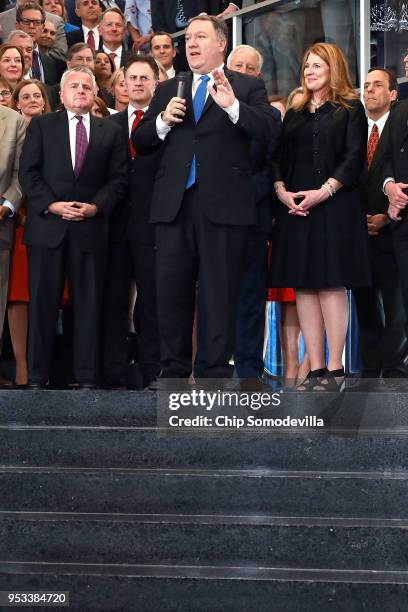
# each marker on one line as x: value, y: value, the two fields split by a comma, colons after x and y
x: 131, y: 110
x: 118, y: 53
x: 380, y: 123
x: 72, y: 122
x: 232, y: 111
x: 171, y: 73
x: 95, y: 33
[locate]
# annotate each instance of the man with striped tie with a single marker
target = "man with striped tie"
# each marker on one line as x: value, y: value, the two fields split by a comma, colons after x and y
x: 380, y: 308
x: 73, y: 174
x: 89, y: 12
x: 173, y: 15
x: 203, y: 201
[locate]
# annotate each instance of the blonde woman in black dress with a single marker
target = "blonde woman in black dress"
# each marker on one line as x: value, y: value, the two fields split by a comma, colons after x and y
x: 320, y: 244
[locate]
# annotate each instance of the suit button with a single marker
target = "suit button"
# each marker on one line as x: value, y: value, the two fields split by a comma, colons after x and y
x: 315, y: 152
x: 402, y: 150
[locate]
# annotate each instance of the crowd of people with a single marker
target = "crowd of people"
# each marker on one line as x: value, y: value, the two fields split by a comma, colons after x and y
x: 150, y: 192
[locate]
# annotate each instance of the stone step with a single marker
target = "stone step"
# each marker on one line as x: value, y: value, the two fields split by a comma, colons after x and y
x: 285, y: 493
x: 263, y: 541
x: 357, y: 413
x: 149, y: 448
x: 132, y: 588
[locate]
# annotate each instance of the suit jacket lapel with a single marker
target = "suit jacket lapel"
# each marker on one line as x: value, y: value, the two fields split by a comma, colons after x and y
x: 95, y: 137
x: 64, y: 137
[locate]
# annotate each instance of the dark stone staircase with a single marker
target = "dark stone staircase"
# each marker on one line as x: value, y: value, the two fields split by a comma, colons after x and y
x: 96, y: 501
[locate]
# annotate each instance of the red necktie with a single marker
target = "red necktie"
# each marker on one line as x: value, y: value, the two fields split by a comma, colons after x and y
x: 113, y: 57
x: 91, y: 40
x: 138, y: 117
x: 372, y: 144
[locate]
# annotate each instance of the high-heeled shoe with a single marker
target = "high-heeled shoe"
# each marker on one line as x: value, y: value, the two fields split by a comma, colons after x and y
x: 311, y: 380
x: 329, y: 382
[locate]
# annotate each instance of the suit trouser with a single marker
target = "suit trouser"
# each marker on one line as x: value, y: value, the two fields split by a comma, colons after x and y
x: 399, y: 231
x: 144, y: 270
x: 116, y: 312
x: 4, y: 278
x: 250, y: 320
x: 47, y: 271
x: 381, y: 315
x: 189, y: 247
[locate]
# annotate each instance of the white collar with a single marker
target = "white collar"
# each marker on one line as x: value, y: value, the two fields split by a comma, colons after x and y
x: 379, y: 122
x: 72, y: 115
x: 197, y: 77
x: 131, y: 109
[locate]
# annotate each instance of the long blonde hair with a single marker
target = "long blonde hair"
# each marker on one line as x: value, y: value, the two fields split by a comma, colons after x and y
x: 339, y: 88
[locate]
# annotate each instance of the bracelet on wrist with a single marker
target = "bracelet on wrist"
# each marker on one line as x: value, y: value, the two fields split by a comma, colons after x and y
x: 278, y: 186
x: 327, y: 188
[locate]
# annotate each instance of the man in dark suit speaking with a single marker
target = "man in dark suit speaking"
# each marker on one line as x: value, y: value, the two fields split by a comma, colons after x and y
x: 73, y: 172
x: 203, y: 200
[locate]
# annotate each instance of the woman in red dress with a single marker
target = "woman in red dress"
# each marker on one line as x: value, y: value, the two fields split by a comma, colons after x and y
x: 29, y: 99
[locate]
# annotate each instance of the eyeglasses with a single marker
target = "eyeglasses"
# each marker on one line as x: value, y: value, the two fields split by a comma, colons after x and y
x: 5, y: 93
x: 34, y: 22
x: 82, y: 59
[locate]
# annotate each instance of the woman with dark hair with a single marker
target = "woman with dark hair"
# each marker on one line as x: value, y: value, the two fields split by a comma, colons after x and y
x: 320, y: 242
x: 11, y: 64
x: 99, y: 108
x: 104, y: 69
x: 29, y: 99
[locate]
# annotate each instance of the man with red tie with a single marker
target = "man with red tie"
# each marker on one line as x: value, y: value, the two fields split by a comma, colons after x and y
x: 380, y: 308
x: 89, y: 12
x: 112, y: 30
x: 73, y: 174
x: 132, y: 237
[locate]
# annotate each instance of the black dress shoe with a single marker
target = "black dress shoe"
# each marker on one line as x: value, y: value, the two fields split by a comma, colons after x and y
x: 87, y: 385
x: 35, y: 386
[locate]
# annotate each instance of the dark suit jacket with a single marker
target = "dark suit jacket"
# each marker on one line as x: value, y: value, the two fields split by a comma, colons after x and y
x: 142, y: 170
x: 47, y: 176
x: 371, y: 193
x: 261, y: 159
x: 164, y: 11
x: 51, y: 74
x: 396, y: 163
x: 76, y: 36
x: 222, y: 150
x: 341, y: 146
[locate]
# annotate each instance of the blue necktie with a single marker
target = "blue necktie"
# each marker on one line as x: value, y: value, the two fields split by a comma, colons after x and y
x: 198, y: 107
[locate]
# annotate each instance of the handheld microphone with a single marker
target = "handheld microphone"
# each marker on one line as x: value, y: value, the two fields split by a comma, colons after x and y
x: 181, y: 85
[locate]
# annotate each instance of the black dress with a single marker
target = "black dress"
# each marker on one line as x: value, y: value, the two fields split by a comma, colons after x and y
x: 328, y: 248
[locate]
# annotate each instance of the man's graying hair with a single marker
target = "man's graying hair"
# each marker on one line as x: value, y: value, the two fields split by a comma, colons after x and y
x: 83, y: 69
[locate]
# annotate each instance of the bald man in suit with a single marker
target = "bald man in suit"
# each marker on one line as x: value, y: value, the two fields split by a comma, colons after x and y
x: 12, y: 131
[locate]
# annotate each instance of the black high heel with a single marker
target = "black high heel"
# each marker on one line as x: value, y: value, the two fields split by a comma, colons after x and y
x: 328, y: 381
x: 311, y: 380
